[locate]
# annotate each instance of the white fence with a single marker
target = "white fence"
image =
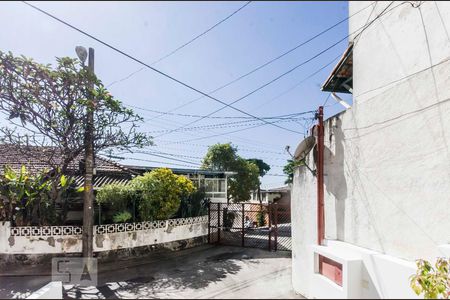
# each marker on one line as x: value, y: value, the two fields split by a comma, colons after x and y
x: 67, y: 239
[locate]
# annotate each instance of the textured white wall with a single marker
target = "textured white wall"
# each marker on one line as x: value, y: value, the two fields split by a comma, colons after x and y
x: 387, y: 159
x: 102, y: 242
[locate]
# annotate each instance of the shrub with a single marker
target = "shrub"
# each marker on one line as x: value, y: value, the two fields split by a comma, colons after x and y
x: 432, y: 282
x: 122, y: 217
x: 261, y: 218
x: 25, y: 198
x: 228, y: 219
x: 114, y: 199
x: 194, y: 205
x: 160, y: 193
x: 116, y: 196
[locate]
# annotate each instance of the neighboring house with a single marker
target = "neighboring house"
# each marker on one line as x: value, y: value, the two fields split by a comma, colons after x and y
x: 106, y: 172
x: 280, y: 195
x: 386, y: 159
x: 214, y: 182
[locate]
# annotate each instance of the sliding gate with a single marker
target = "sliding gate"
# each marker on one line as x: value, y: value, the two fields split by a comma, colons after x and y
x: 250, y: 225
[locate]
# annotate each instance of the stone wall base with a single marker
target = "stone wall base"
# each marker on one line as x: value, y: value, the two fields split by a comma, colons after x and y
x: 15, y: 260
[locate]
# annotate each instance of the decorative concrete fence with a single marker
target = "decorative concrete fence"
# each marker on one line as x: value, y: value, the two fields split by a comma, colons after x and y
x: 67, y: 239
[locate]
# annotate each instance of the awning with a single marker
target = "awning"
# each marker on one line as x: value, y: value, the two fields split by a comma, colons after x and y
x: 341, y: 78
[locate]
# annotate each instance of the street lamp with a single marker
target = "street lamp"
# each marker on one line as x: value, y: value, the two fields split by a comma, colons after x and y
x: 81, y: 53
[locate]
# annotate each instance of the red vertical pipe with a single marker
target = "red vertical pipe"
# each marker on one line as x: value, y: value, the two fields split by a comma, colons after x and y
x: 320, y: 191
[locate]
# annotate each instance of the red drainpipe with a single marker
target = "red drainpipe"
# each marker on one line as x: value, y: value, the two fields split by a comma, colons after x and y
x: 320, y: 191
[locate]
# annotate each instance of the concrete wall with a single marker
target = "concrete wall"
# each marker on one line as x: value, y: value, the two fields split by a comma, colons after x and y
x: 120, y: 240
x: 387, y: 159
x: 106, y: 237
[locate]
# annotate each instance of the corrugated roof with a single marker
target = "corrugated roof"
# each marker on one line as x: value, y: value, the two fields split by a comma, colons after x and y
x: 180, y: 171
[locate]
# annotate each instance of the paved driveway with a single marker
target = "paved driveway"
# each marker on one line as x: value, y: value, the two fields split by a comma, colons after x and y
x: 201, y: 272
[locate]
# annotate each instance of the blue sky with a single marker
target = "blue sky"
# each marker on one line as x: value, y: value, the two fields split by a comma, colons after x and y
x: 149, y: 30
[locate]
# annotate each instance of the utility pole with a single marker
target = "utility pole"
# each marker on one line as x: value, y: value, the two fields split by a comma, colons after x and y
x: 88, y: 199
x: 320, y: 191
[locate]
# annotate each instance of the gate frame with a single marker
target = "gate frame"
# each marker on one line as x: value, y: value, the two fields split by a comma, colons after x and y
x: 272, y: 211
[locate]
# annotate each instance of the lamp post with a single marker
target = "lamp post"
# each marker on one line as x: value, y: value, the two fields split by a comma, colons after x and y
x: 88, y: 197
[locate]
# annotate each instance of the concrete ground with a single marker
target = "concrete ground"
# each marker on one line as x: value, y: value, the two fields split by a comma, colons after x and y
x: 201, y: 272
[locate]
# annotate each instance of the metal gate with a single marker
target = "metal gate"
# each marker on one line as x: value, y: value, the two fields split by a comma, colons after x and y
x: 266, y: 226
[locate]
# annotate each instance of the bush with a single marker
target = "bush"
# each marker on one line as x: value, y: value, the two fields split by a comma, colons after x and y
x: 261, y: 218
x: 122, y: 217
x: 228, y: 219
x: 194, y: 205
x: 114, y: 199
x: 160, y: 193
x: 432, y: 282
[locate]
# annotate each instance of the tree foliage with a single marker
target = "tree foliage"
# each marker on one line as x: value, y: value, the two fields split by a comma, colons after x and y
x: 262, y: 166
x: 194, y: 205
x: 220, y: 157
x: 156, y: 195
x: 160, y: 193
x: 289, y: 169
x: 48, y: 106
x: 433, y: 283
x: 223, y: 157
x: 245, y: 181
x: 263, y: 169
x: 25, y: 197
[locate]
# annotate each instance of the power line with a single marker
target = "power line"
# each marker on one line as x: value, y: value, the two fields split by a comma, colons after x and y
x: 179, y: 155
x: 283, y: 74
x: 225, y: 133
x: 270, y: 61
x: 228, y: 125
x: 206, y: 146
x: 154, y: 69
x: 160, y: 162
x: 262, y: 86
x: 299, y: 83
x: 212, y: 117
x: 183, y: 45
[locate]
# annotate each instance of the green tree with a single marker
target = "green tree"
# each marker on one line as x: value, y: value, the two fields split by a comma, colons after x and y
x: 289, y: 169
x: 220, y: 157
x: 160, y: 193
x: 47, y: 106
x: 245, y: 181
x: 223, y: 157
x: 263, y: 169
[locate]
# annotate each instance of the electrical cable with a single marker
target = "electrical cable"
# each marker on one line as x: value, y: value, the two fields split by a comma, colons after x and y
x: 154, y: 69
x: 283, y: 74
x: 271, y: 60
x: 182, y: 46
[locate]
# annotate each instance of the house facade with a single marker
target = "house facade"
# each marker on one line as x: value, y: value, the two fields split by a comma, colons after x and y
x: 106, y: 172
x: 215, y: 183
x: 280, y: 195
x: 386, y: 159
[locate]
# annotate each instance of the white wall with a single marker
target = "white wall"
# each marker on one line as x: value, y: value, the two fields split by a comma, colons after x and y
x: 121, y: 240
x: 387, y: 159
x: 111, y: 239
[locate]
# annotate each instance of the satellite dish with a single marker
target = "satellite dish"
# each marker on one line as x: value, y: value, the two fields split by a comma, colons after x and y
x: 304, y: 147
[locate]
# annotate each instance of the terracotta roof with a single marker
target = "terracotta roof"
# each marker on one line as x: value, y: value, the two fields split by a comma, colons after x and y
x: 342, y: 75
x: 37, y: 158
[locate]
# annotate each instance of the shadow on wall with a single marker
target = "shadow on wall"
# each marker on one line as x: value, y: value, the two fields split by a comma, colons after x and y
x: 334, y: 180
